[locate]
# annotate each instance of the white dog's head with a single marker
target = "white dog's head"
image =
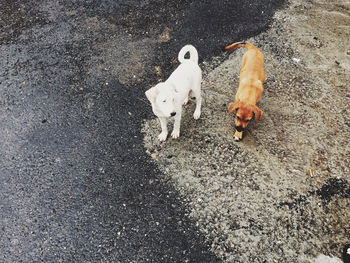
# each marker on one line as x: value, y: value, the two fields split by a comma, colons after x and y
x: 162, y: 98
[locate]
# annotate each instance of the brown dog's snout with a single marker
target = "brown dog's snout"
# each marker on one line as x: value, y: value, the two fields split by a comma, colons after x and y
x: 173, y: 114
x: 239, y: 128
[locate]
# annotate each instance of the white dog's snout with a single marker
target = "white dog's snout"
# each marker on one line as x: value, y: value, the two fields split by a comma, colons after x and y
x: 173, y: 113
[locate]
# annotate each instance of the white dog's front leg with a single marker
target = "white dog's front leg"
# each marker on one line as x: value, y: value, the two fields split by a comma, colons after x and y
x: 176, y: 131
x: 164, y: 125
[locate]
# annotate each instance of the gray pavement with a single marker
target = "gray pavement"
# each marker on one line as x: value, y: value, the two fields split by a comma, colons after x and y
x: 76, y: 184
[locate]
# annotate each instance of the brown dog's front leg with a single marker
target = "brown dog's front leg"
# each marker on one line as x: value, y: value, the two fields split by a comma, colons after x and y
x: 238, y: 136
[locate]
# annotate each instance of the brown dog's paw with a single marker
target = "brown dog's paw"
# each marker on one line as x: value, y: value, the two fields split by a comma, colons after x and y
x: 237, y: 139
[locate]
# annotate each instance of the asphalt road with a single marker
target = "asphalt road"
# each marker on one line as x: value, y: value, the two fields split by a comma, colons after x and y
x: 75, y: 182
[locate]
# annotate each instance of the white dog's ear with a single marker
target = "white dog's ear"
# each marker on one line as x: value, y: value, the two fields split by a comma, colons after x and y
x: 151, y: 94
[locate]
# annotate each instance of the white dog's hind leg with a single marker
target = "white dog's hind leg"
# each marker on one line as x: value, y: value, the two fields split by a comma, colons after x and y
x: 197, y: 94
x: 176, y: 131
x: 164, y: 125
x: 187, y: 98
x: 185, y: 101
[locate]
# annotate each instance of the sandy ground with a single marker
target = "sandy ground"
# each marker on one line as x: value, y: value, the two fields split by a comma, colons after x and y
x: 283, y: 193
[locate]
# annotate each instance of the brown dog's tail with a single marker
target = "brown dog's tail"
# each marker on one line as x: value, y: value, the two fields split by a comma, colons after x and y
x: 239, y: 44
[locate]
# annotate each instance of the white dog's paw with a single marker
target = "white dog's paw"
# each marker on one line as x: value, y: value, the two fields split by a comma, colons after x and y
x: 196, y: 114
x: 162, y: 136
x: 175, y: 134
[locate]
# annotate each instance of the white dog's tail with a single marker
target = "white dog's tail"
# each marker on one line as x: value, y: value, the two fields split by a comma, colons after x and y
x: 193, y: 54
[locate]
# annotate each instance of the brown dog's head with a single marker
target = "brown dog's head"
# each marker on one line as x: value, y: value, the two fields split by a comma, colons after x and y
x: 244, y: 113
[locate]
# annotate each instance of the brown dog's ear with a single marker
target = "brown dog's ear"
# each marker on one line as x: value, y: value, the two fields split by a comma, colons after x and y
x: 257, y: 113
x: 232, y: 107
x: 151, y: 94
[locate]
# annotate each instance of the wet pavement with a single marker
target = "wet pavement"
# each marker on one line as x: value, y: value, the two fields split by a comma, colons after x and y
x: 76, y: 184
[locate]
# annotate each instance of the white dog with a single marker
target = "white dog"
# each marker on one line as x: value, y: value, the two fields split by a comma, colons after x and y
x: 168, y: 97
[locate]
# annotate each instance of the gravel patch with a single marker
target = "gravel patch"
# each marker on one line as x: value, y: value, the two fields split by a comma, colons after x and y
x: 283, y: 193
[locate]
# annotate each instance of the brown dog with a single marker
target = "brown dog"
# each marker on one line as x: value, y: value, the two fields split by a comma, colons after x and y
x: 250, y: 88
